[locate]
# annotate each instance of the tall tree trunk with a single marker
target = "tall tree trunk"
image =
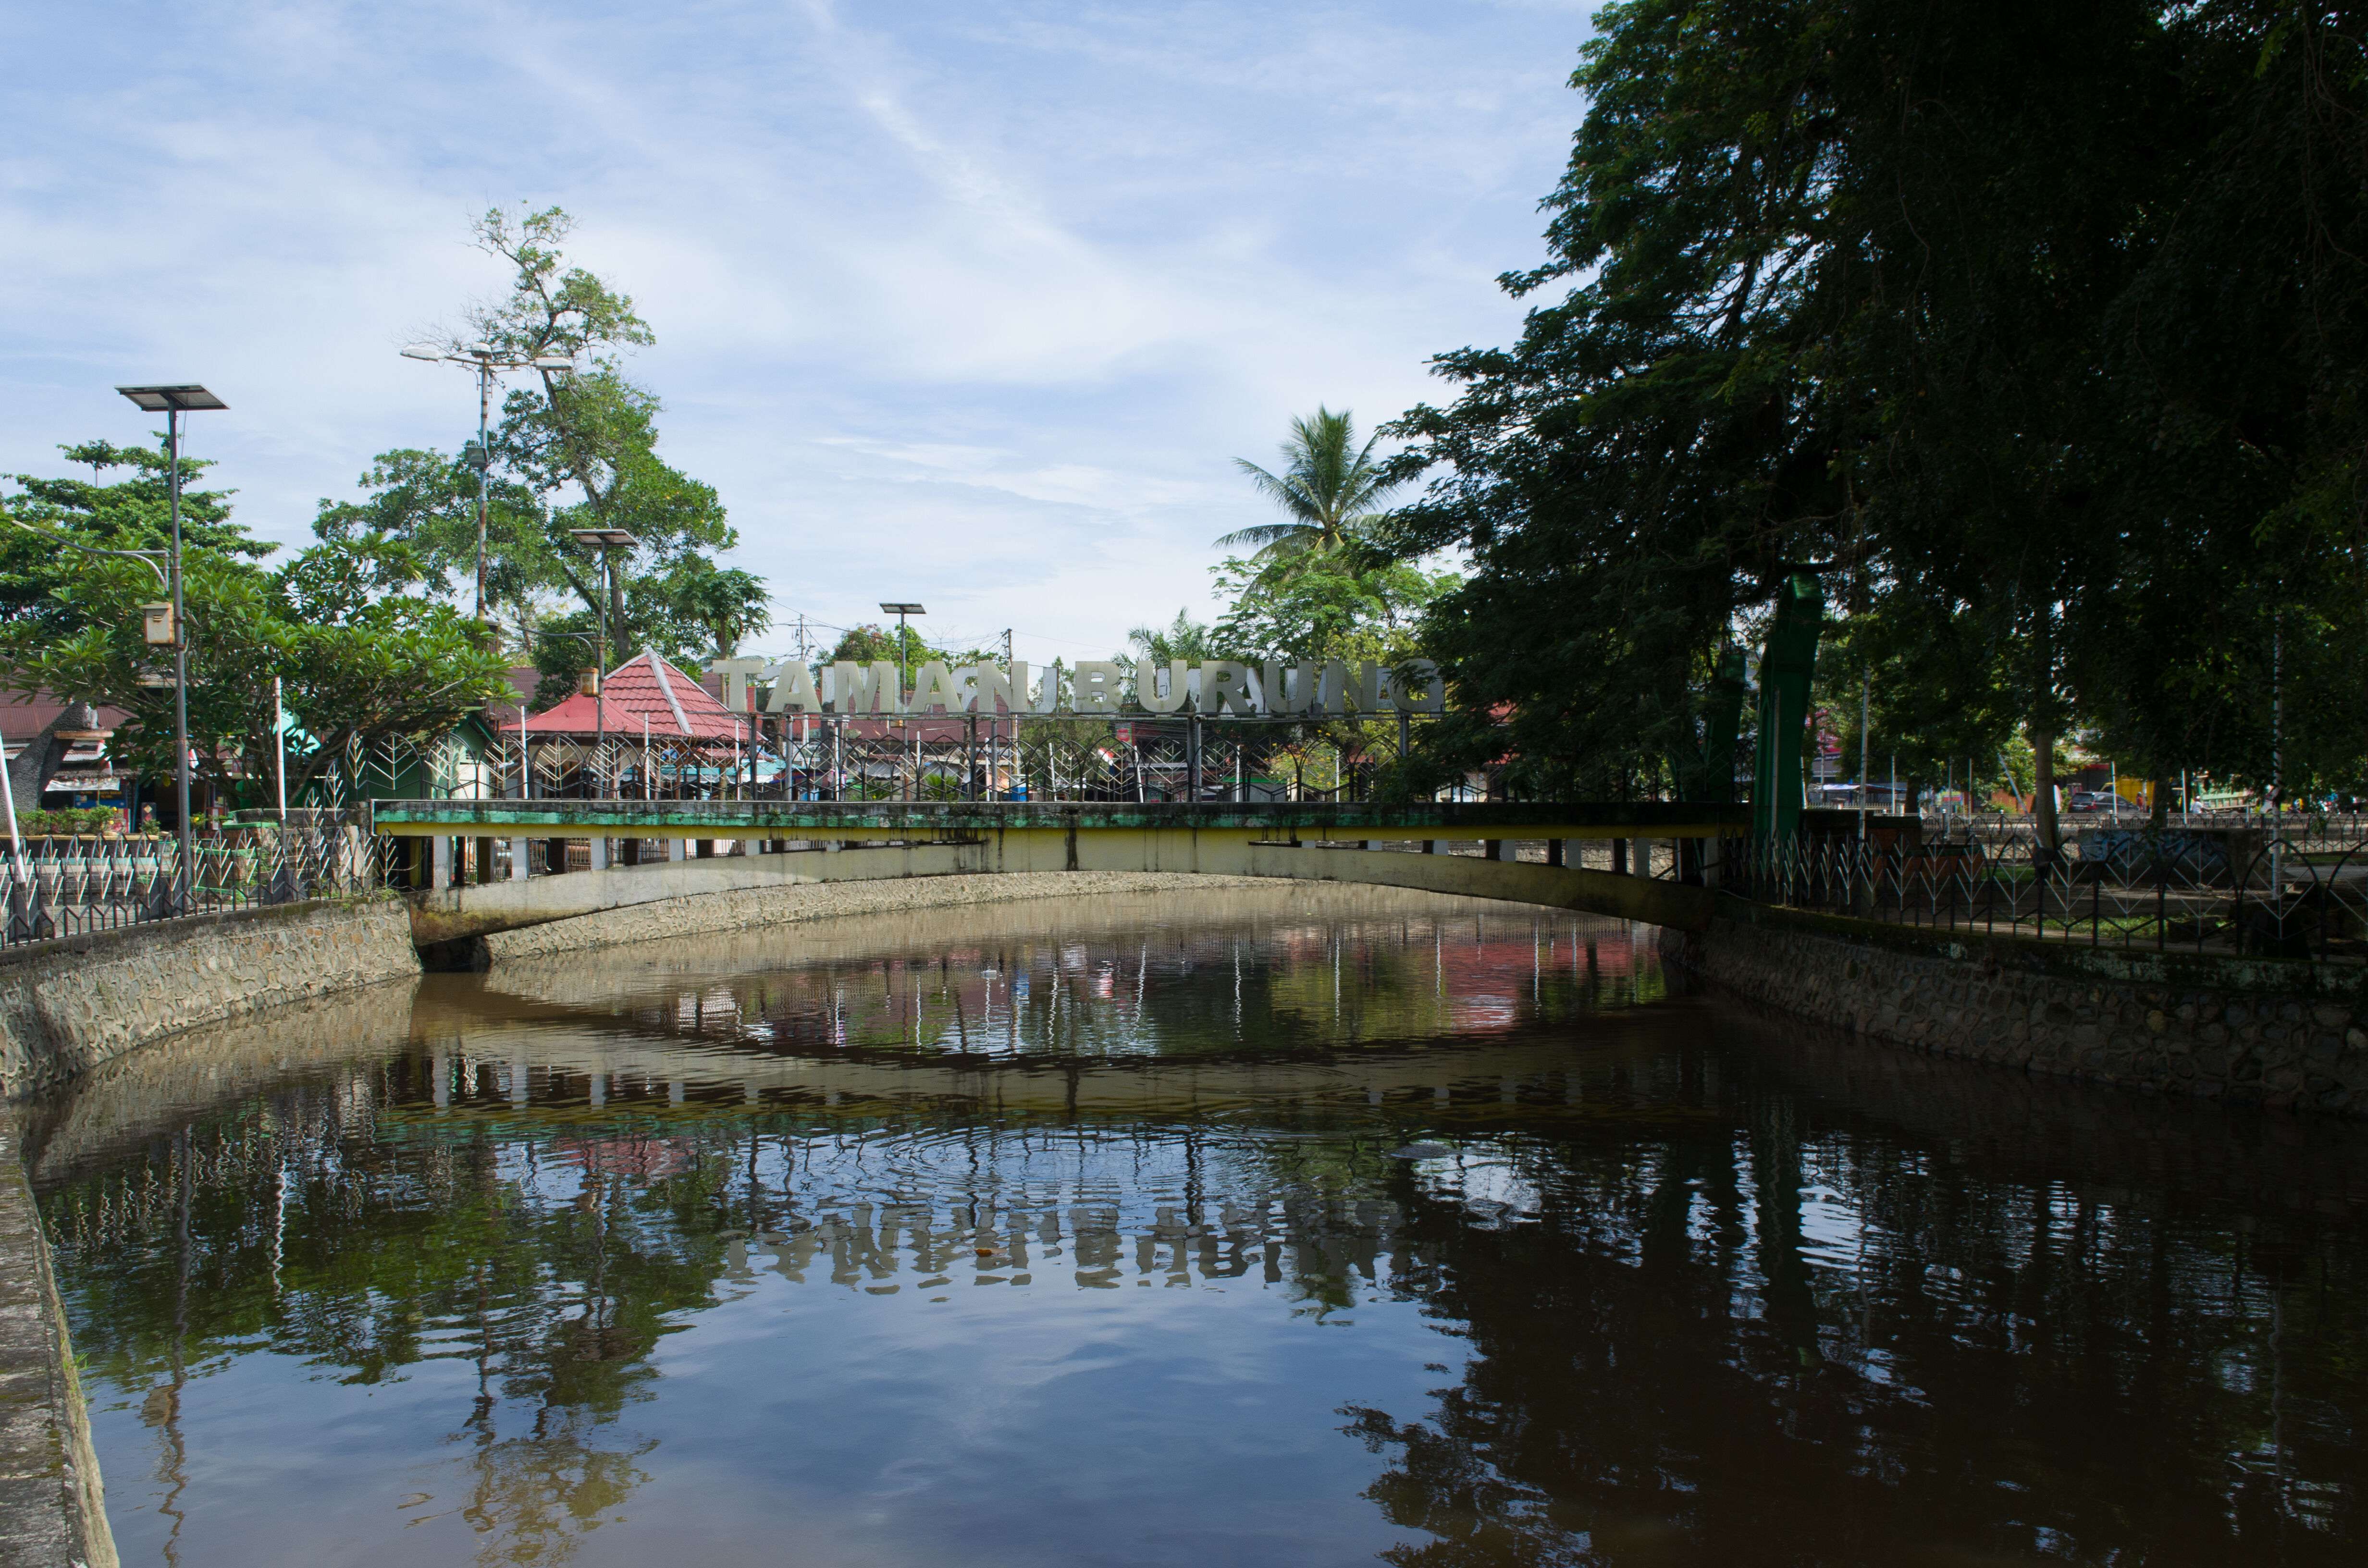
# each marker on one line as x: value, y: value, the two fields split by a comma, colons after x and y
x: 2158, y: 799
x: 38, y: 758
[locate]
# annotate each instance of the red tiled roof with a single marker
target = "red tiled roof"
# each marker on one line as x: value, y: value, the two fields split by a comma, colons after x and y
x: 27, y: 713
x: 644, y: 687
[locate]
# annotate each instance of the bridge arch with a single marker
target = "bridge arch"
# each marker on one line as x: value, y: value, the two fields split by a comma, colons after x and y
x: 857, y: 841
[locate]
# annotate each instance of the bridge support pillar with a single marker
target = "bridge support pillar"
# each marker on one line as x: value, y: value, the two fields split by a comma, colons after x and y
x: 599, y: 854
x: 678, y: 848
x: 521, y: 852
x: 439, y: 862
x: 1497, y: 848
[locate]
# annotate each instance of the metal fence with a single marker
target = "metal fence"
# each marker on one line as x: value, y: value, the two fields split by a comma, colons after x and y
x: 64, y: 886
x: 2206, y: 890
x: 1053, y: 758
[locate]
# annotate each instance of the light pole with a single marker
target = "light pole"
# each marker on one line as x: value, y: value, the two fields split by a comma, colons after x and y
x: 173, y: 402
x: 900, y: 611
x: 605, y: 541
x: 526, y: 765
x: 485, y: 360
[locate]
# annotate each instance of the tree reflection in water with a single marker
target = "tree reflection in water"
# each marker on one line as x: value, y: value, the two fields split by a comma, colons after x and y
x: 1787, y: 1337
x: 1716, y: 1291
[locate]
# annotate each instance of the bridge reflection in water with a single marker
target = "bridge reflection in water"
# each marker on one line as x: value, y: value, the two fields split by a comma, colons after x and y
x: 1181, y: 1230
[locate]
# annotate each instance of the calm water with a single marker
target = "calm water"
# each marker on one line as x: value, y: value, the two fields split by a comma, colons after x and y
x: 1289, y: 1229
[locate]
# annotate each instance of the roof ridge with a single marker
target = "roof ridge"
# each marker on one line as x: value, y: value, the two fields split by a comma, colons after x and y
x: 658, y: 667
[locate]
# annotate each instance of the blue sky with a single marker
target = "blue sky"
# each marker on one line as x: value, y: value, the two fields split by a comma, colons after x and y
x: 972, y: 305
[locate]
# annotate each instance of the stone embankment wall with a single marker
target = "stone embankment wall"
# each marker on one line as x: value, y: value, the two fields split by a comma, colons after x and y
x: 2267, y: 1031
x: 52, y: 1514
x: 748, y: 908
x: 67, y: 1005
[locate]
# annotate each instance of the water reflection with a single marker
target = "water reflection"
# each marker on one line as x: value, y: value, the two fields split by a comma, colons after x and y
x: 1368, y: 1225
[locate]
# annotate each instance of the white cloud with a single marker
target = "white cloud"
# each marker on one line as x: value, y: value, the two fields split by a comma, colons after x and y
x: 969, y: 304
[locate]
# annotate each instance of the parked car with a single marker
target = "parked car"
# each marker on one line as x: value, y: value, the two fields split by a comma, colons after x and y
x: 2088, y: 800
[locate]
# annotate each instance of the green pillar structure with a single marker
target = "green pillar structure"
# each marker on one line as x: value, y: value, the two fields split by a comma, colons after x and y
x: 1787, y: 664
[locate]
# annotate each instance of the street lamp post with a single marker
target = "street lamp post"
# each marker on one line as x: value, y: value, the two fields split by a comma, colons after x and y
x: 173, y: 402
x: 485, y: 361
x: 605, y: 541
x: 900, y: 611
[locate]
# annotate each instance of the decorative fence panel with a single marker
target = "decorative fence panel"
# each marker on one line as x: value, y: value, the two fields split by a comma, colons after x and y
x: 60, y: 886
x: 2224, y: 890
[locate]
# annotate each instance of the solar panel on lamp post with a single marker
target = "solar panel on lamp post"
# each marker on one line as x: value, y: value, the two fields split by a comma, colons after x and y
x: 173, y: 402
x: 484, y: 360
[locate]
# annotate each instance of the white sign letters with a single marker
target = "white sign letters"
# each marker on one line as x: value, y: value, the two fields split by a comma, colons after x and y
x: 1215, y: 688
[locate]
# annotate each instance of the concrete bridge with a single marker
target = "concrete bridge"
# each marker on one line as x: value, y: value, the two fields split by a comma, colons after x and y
x: 782, y: 842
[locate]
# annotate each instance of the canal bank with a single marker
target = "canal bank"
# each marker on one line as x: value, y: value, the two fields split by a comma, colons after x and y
x: 52, y: 1510
x: 2276, y: 1032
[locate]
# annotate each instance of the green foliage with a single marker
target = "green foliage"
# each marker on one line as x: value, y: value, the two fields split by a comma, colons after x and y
x: 579, y: 452
x: 130, y: 513
x: 1183, y: 638
x: 73, y: 819
x: 353, y: 666
x: 1994, y: 320
x: 1335, y: 606
x: 1329, y: 488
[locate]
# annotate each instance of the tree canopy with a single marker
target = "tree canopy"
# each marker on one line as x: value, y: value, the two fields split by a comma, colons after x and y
x: 578, y: 451
x: 351, y: 667
x: 2024, y: 326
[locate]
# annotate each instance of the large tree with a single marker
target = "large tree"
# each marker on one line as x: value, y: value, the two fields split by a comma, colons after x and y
x: 1978, y: 313
x: 1652, y: 456
x: 577, y: 451
x: 353, y: 666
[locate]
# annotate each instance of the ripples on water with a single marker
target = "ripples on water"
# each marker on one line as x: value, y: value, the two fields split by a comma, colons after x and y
x: 1290, y: 1228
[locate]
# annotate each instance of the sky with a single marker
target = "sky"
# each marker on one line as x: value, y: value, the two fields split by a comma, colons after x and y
x: 969, y: 304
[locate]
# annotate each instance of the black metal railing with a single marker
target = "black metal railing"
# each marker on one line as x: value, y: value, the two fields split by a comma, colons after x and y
x: 2206, y: 890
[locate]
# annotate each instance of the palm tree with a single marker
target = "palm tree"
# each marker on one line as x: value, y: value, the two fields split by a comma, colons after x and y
x: 1186, y: 639
x: 1329, y: 486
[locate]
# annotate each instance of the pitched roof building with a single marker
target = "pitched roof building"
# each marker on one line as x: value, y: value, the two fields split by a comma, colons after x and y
x: 648, y: 689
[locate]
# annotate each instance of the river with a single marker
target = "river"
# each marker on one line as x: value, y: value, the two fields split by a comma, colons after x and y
x: 1291, y: 1227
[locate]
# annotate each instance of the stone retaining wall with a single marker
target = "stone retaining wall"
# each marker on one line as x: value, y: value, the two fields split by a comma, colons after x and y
x: 2268, y: 1031
x: 67, y: 1005
x: 51, y: 1512
x: 748, y: 908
